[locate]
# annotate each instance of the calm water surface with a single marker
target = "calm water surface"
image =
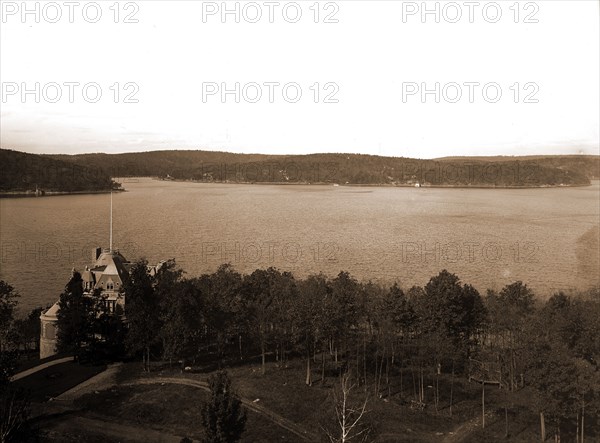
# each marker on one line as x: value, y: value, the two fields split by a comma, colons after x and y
x: 546, y: 237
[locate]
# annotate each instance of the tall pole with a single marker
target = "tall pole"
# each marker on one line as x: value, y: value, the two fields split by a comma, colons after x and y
x: 111, y: 209
x: 483, y: 404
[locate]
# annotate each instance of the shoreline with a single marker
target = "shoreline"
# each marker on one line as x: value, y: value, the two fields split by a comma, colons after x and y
x: 32, y: 194
x: 375, y: 185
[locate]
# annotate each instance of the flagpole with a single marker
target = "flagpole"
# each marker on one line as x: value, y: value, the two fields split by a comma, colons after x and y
x: 111, y: 216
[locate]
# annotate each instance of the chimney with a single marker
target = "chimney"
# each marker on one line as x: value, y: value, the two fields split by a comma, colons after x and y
x: 96, y: 253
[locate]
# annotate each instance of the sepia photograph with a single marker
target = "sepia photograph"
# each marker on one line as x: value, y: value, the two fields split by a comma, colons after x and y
x: 346, y: 221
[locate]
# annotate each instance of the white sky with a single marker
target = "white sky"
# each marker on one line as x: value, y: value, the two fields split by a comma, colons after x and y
x: 369, y: 54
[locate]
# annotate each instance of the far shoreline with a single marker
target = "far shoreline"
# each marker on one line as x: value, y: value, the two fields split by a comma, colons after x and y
x: 32, y: 194
x: 373, y: 185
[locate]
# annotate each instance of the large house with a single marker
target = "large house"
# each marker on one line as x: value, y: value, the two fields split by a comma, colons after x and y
x: 107, y: 273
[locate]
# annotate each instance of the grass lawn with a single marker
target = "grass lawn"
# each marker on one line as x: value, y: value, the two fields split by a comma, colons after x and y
x: 283, y: 391
x: 53, y: 381
x: 175, y: 409
x: 172, y: 409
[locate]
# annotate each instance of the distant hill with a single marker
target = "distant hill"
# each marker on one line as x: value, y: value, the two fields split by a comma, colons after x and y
x: 22, y: 173
x: 587, y: 164
x: 92, y: 172
x: 158, y: 163
x: 212, y: 166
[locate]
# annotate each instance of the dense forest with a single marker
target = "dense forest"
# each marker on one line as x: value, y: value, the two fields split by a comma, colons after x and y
x: 22, y: 173
x: 543, y: 355
x: 345, y: 168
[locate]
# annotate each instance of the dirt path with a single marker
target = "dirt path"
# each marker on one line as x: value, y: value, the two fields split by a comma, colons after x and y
x: 61, y: 417
x: 275, y: 418
x: 37, y: 368
x: 99, y: 382
x: 459, y: 434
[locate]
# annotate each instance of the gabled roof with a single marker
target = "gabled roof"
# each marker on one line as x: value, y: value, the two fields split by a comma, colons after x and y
x: 103, y: 281
x: 111, y: 264
x: 87, y: 276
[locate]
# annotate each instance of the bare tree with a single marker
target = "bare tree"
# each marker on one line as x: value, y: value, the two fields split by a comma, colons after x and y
x: 350, y: 423
x: 14, y: 412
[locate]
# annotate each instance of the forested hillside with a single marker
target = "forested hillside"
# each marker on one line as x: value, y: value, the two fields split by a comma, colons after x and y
x: 586, y: 164
x: 23, y: 173
x: 92, y: 172
x: 346, y: 168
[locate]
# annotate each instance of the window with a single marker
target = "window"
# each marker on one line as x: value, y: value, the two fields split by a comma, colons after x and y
x: 50, y: 332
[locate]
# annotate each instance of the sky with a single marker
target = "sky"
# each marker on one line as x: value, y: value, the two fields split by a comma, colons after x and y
x: 395, y: 78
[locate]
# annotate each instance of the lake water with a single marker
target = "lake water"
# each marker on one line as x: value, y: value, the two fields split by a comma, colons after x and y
x: 547, y: 238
